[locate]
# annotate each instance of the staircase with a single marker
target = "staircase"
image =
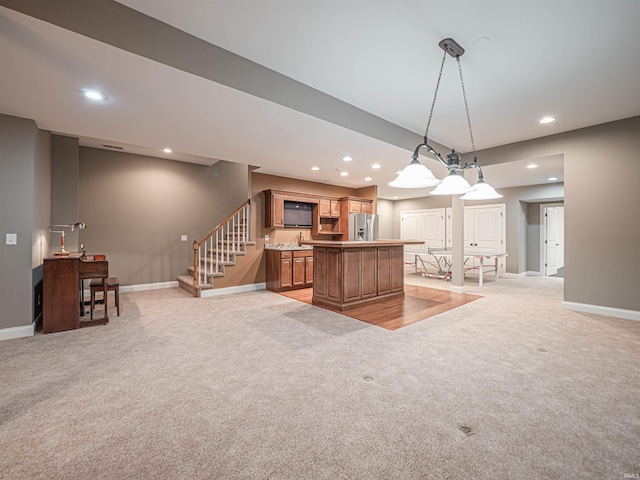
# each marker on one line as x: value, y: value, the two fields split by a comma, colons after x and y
x: 217, y: 251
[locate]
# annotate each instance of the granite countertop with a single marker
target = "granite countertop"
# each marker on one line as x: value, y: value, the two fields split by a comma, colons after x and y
x: 286, y: 246
x: 359, y: 243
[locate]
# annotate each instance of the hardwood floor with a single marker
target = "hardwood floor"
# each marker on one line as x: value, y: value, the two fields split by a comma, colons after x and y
x: 419, y: 303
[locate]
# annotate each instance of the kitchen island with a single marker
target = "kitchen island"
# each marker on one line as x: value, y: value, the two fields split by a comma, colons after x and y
x: 350, y: 274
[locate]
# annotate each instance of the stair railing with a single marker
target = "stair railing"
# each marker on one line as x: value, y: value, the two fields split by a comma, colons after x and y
x: 220, y: 244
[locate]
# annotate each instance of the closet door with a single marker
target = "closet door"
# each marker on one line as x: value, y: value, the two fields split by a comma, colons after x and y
x: 424, y: 225
x: 409, y: 230
x: 484, y: 232
x: 487, y: 235
x: 432, y: 228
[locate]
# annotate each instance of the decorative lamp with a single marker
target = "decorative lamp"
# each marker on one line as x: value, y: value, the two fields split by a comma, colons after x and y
x: 78, y: 226
x: 416, y: 175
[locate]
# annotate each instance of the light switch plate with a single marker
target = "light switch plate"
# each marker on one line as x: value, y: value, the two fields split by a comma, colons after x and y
x: 12, y: 239
x: 266, y: 238
x: 183, y: 238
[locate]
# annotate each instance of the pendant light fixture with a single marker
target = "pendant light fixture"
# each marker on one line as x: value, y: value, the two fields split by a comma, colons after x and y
x: 417, y: 175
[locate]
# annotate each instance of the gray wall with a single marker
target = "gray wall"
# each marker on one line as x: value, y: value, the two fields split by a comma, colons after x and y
x: 24, y: 210
x: 601, y: 172
x: 65, y: 184
x: 136, y: 208
x: 386, y: 219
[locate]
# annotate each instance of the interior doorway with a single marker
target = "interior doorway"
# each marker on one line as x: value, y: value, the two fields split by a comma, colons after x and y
x: 552, y: 240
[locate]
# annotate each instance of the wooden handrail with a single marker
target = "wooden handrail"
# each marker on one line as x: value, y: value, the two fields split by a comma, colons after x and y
x: 220, y: 225
x: 196, y: 245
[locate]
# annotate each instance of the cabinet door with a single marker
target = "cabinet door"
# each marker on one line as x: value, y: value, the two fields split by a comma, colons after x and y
x: 298, y: 271
x: 355, y: 206
x: 324, y: 207
x: 308, y: 274
x: 278, y: 210
x: 367, y: 207
x: 335, y: 208
x: 285, y: 272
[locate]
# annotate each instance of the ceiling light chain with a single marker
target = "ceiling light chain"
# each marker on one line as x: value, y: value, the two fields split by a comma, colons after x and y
x: 466, y: 106
x: 435, y: 95
x: 416, y: 175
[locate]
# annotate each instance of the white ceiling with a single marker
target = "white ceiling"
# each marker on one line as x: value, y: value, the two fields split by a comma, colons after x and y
x: 575, y: 60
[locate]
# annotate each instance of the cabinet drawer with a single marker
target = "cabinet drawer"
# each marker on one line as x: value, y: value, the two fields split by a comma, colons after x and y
x: 303, y: 253
x: 286, y: 254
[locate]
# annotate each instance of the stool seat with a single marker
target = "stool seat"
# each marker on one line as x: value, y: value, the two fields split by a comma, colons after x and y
x: 97, y: 285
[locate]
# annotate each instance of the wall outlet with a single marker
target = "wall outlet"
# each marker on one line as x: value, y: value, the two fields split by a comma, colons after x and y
x: 266, y: 238
x: 183, y: 238
x: 12, y: 239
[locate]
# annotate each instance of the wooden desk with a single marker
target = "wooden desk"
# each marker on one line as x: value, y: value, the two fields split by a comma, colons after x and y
x: 62, y: 300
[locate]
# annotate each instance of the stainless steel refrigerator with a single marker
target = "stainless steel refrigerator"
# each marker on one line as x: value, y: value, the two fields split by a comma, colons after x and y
x: 363, y: 227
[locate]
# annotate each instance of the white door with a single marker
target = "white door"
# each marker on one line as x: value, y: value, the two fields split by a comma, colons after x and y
x: 469, y: 230
x: 551, y: 241
x: 488, y: 230
x: 409, y: 225
x: 409, y: 230
x: 432, y: 228
x: 560, y: 237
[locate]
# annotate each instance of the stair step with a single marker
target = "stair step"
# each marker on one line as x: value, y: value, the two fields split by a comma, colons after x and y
x: 209, y: 275
x: 186, y: 283
x: 207, y: 261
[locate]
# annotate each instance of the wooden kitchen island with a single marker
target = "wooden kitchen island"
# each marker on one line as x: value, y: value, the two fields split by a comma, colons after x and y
x: 351, y: 274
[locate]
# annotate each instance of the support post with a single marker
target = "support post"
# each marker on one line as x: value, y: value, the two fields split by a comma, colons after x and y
x: 457, y: 244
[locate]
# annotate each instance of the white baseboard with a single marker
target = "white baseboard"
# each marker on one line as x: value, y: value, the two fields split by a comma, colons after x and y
x: 597, y: 309
x: 17, y: 332
x: 514, y: 275
x: 239, y: 289
x: 148, y: 286
x: 533, y: 274
x: 140, y: 288
x: 457, y: 289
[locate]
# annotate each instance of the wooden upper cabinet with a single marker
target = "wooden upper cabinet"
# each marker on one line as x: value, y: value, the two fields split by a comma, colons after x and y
x: 359, y: 206
x: 335, y: 208
x: 324, y: 207
x: 274, y: 210
x: 329, y: 207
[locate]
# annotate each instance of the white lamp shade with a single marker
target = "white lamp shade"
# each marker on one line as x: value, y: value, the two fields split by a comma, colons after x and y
x: 453, y: 184
x: 483, y: 191
x: 414, y: 175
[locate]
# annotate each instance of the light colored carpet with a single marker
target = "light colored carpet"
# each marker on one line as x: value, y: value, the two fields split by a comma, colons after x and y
x: 259, y: 386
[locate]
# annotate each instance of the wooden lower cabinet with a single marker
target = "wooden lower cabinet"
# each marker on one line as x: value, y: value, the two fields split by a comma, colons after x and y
x: 289, y: 269
x: 348, y: 275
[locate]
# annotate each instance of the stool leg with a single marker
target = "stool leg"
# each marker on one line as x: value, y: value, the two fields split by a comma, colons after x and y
x: 93, y: 303
x: 118, y: 299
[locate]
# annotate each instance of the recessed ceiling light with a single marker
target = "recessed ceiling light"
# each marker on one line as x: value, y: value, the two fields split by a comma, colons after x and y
x: 344, y: 174
x: 315, y: 169
x: 532, y: 165
x: 395, y: 198
x: 375, y: 165
x: 551, y: 179
x: 368, y: 179
x: 94, y: 95
x: 167, y: 150
x: 547, y: 120
x: 346, y: 158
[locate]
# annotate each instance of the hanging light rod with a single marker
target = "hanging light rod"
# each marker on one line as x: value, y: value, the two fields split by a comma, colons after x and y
x: 416, y: 175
